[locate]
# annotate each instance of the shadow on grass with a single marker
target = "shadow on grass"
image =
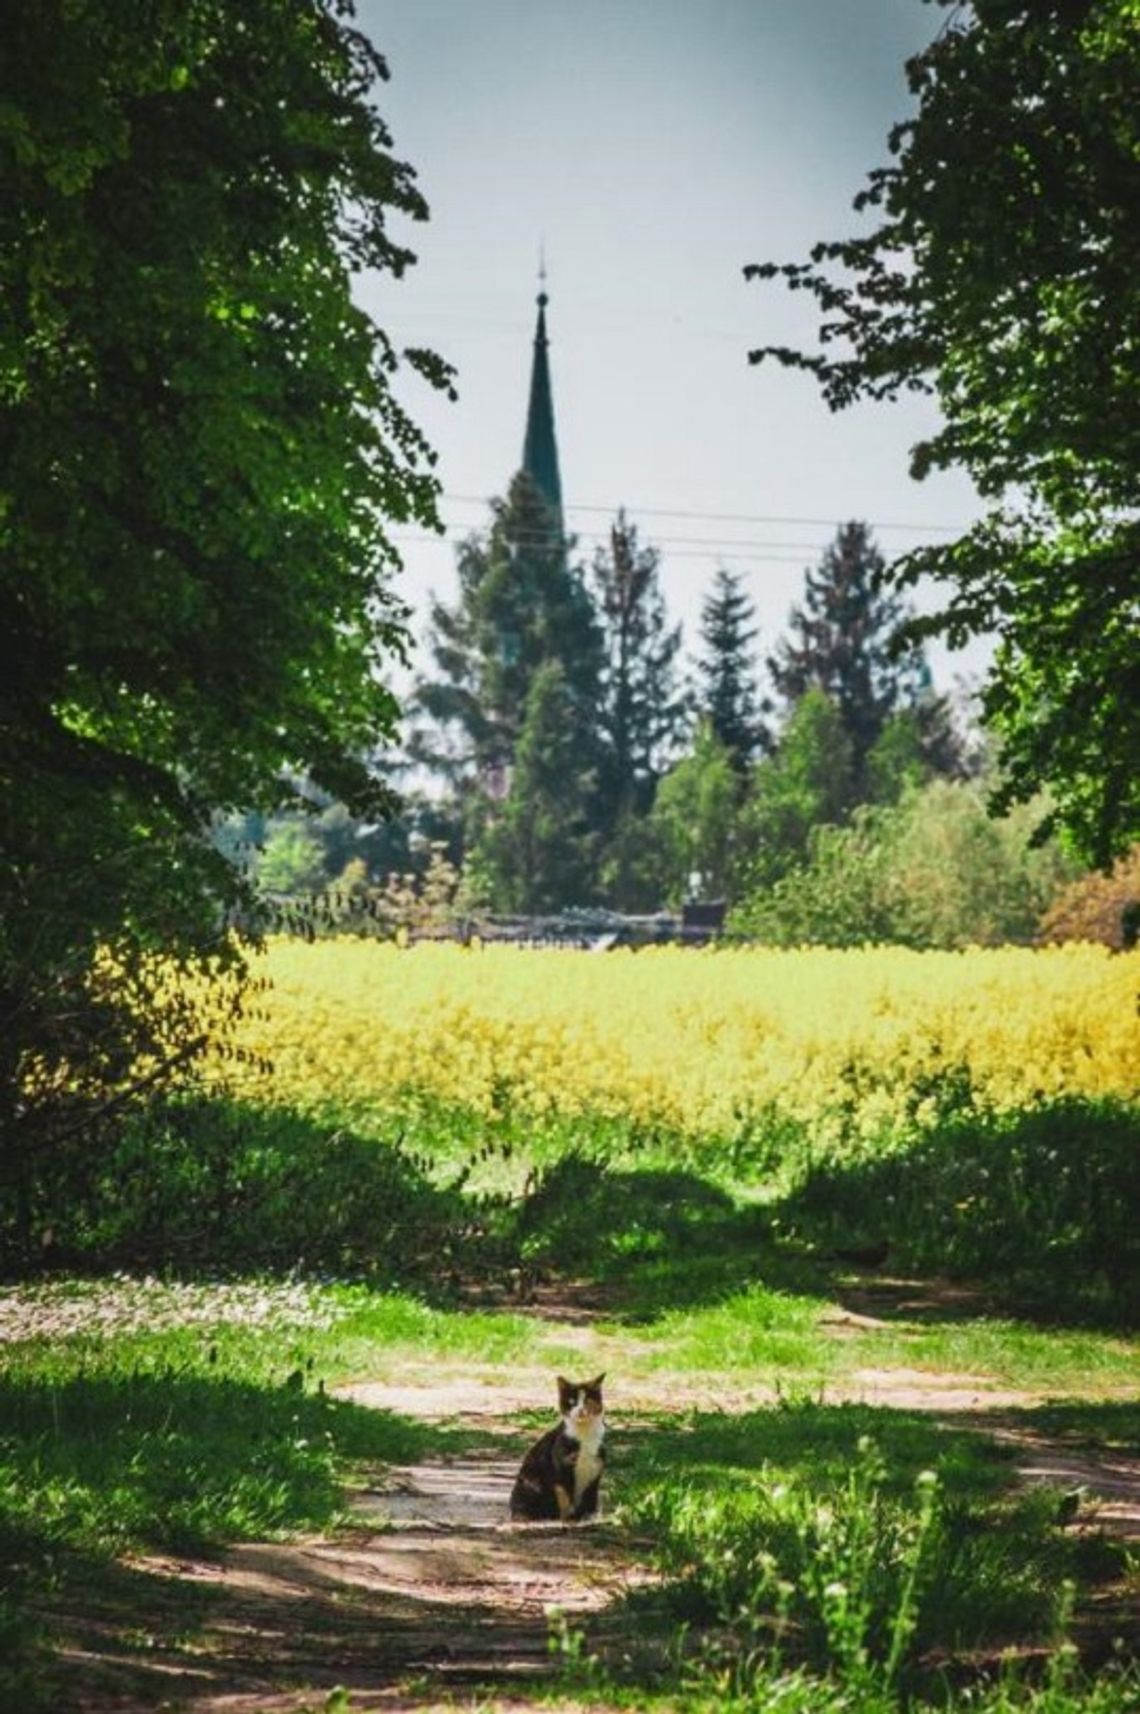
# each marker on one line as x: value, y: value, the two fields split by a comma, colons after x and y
x: 184, y: 1461
x: 94, y: 1465
x: 658, y: 1240
x: 1039, y: 1206
x: 215, y: 1186
x: 1109, y: 1427
x: 149, y: 1635
x: 1035, y: 1209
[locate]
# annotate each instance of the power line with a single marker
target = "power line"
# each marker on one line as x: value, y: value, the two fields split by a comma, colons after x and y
x: 536, y: 538
x: 759, y: 555
x: 635, y: 512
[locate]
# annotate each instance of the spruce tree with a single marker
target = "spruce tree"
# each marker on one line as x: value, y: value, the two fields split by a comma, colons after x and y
x: 843, y: 640
x: 642, y: 706
x: 521, y: 606
x: 727, y: 695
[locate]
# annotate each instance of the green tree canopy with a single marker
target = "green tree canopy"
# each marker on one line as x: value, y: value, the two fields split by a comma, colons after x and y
x: 809, y: 781
x: 933, y: 870
x: 200, y: 454
x: 694, y: 820
x: 521, y: 605
x: 293, y: 860
x: 537, y: 851
x: 843, y: 639
x: 1004, y: 276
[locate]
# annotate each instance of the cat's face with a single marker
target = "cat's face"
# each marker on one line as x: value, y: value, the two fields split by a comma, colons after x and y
x: 578, y: 1400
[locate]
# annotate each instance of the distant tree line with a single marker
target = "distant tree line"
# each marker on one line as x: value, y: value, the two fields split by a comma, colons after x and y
x: 826, y: 794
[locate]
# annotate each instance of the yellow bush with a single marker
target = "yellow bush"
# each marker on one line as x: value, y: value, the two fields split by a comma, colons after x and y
x: 695, y: 1040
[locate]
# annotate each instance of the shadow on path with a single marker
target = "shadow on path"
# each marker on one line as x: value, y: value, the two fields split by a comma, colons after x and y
x: 432, y: 1583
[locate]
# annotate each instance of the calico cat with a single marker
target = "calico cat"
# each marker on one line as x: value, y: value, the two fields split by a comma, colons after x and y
x: 559, y: 1478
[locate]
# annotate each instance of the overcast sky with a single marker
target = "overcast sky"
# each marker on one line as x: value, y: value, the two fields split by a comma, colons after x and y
x: 653, y: 147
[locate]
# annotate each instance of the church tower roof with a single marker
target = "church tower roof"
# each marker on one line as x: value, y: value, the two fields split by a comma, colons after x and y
x: 540, y: 449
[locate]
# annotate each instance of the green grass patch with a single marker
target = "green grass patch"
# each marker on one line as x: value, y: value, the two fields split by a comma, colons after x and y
x: 794, y: 1539
x: 765, y: 1332
x: 1035, y: 1203
x: 141, y: 1415
x: 1042, y: 1202
x: 1015, y: 1353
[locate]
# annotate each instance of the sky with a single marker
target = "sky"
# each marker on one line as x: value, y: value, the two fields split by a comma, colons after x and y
x: 650, y: 149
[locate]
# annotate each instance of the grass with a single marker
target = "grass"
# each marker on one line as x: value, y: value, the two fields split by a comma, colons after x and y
x: 758, y: 1517
x: 181, y: 1412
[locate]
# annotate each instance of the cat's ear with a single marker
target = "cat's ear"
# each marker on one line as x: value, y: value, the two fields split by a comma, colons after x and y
x: 596, y: 1386
x: 564, y: 1386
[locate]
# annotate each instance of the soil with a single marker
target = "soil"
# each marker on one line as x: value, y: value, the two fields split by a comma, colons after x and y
x: 433, y: 1591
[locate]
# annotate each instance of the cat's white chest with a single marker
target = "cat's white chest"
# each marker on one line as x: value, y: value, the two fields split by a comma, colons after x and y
x: 588, y: 1464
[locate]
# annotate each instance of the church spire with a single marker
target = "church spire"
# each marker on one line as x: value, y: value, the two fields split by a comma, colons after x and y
x: 540, y: 449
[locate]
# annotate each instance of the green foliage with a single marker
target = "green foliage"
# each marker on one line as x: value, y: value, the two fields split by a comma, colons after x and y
x: 641, y: 709
x: 845, y: 642
x: 180, y: 1440
x: 1041, y: 1201
x: 726, y: 691
x: 522, y: 606
x: 808, y: 783
x: 200, y: 450
x: 634, y: 874
x: 215, y: 1184
x: 849, y: 1573
x: 915, y: 745
x: 694, y: 820
x: 293, y: 860
x: 934, y: 870
x: 538, y: 850
x: 1005, y: 276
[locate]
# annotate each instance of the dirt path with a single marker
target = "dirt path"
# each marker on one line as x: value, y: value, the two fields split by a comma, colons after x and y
x: 434, y: 1583
x: 434, y: 1590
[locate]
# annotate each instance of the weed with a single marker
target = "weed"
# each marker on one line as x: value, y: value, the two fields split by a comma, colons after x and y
x: 851, y: 1577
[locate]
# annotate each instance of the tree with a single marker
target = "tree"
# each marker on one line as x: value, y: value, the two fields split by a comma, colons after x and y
x: 695, y: 820
x: 538, y: 850
x: 293, y: 860
x: 641, y: 707
x: 727, y: 683
x: 1099, y: 907
x: 1004, y: 276
x: 933, y: 870
x: 809, y: 782
x: 916, y: 744
x: 522, y: 604
x: 200, y: 452
x: 843, y: 640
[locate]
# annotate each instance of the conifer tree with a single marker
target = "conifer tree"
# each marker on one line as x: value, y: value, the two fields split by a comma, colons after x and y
x: 727, y: 695
x: 842, y: 640
x: 522, y: 605
x: 642, y: 705
x: 537, y: 851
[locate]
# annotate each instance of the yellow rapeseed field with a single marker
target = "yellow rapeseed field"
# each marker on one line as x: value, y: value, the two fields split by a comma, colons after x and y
x: 696, y: 1040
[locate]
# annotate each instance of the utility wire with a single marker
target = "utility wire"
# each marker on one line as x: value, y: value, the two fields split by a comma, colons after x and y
x: 635, y: 512
x: 748, y: 556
